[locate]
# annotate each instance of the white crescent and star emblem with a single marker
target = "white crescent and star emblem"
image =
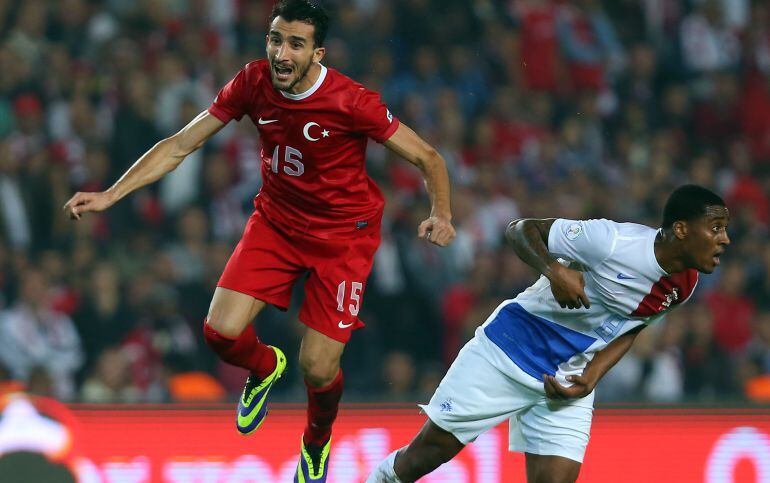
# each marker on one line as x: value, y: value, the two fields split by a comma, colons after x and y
x: 306, y: 131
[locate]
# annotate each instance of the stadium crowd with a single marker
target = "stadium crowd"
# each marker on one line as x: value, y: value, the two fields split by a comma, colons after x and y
x: 580, y: 109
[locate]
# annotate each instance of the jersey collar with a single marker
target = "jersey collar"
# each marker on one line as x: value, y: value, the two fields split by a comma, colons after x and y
x: 309, y: 92
x: 651, y: 254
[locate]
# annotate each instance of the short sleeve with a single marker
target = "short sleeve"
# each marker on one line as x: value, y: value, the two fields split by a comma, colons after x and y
x: 588, y: 242
x: 372, y: 118
x: 232, y: 102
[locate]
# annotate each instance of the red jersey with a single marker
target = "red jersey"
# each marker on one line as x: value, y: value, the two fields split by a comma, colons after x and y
x: 313, y: 149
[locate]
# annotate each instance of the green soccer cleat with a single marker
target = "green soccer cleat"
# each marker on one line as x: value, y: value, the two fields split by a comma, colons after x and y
x: 313, y: 464
x: 252, y: 406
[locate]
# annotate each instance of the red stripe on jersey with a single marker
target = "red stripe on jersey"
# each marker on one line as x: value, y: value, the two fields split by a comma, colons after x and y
x: 667, y: 292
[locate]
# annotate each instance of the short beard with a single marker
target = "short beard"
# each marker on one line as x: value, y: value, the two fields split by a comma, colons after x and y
x: 301, y: 76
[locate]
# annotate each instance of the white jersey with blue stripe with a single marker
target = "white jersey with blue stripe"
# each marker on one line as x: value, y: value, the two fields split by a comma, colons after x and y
x: 623, y: 281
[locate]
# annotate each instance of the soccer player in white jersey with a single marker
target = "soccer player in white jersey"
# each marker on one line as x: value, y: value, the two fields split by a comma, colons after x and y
x: 537, y: 358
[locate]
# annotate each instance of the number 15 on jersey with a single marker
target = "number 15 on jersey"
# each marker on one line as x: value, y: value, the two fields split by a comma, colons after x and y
x: 292, y: 160
x: 355, y: 296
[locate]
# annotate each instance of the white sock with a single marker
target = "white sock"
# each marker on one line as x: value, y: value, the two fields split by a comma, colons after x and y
x: 384, y: 472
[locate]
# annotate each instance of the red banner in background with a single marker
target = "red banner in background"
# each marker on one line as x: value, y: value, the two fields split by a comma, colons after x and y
x: 202, y: 446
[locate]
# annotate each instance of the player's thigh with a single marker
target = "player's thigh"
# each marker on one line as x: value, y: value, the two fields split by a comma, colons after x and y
x: 475, y: 395
x: 334, y: 289
x: 231, y: 311
x: 432, y: 436
x: 264, y: 266
x: 554, y: 428
x: 551, y: 469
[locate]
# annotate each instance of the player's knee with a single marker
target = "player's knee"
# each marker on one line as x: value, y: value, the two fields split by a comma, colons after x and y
x: 214, y: 339
x: 318, y: 371
x: 224, y: 326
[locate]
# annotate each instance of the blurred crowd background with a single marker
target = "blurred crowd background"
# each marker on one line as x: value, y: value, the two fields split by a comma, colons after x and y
x: 580, y: 109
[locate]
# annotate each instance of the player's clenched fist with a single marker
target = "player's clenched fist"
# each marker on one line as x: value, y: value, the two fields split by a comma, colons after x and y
x: 437, y: 230
x: 85, y: 202
x: 581, y: 387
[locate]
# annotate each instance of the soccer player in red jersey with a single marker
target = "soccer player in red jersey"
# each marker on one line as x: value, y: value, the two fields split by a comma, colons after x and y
x: 318, y: 213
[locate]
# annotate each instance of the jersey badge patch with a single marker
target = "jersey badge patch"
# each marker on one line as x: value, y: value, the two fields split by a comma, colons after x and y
x: 573, y: 231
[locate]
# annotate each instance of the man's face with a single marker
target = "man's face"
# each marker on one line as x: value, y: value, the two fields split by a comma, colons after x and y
x: 706, y: 238
x: 291, y: 51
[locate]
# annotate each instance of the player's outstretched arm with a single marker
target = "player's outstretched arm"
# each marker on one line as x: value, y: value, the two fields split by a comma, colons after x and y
x: 529, y: 237
x: 406, y: 143
x: 159, y: 160
x: 601, y: 363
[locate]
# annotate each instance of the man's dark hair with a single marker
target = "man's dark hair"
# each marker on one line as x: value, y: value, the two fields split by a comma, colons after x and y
x: 303, y: 11
x: 687, y: 203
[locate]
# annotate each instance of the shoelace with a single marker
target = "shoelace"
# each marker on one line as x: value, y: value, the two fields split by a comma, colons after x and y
x: 315, y: 455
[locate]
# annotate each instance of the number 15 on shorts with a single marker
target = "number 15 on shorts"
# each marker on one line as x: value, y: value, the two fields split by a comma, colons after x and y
x: 355, y: 297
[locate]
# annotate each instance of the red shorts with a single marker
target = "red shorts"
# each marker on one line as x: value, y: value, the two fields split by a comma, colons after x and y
x: 267, y: 262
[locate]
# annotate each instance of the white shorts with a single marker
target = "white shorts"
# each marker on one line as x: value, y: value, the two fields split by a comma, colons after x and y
x: 484, y: 388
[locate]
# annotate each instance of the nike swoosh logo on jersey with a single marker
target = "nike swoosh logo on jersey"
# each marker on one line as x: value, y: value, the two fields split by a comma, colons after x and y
x: 625, y: 277
x: 266, y: 121
x: 341, y: 325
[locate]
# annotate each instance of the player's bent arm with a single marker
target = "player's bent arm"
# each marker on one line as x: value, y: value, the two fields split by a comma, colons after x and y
x: 159, y: 160
x: 602, y: 362
x: 606, y: 358
x: 407, y: 144
x: 166, y: 155
x: 529, y: 237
